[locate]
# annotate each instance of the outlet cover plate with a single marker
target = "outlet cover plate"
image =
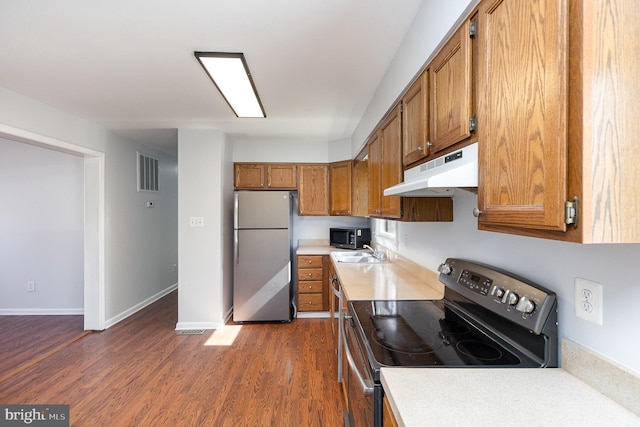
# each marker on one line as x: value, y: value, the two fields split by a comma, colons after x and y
x: 588, y: 300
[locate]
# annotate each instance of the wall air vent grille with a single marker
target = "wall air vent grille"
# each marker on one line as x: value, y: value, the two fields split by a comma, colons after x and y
x: 147, y: 173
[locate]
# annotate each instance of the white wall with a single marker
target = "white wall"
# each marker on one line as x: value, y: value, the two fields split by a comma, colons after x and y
x: 205, y: 253
x: 41, y: 230
x: 141, y: 244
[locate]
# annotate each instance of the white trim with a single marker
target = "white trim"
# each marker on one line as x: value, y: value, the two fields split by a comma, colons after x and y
x: 120, y: 317
x: 41, y: 311
x: 94, y: 219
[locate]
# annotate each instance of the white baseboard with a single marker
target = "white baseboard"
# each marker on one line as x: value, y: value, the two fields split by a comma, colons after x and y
x: 120, y: 317
x: 41, y: 311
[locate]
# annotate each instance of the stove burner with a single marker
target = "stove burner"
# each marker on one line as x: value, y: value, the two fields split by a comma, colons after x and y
x: 479, y: 350
x: 394, y: 333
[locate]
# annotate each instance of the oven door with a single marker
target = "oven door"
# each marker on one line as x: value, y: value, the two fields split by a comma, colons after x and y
x: 359, y: 381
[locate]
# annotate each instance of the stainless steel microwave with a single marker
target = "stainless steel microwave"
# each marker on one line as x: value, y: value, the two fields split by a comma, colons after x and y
x: 349, y: 238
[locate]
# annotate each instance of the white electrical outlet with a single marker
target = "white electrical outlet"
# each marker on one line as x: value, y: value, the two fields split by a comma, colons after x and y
x: 31, y: 286
x: 196, y: 221
x: 588, y: 299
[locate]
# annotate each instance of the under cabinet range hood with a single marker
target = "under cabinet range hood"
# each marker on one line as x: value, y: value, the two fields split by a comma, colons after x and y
x: 438, y: 177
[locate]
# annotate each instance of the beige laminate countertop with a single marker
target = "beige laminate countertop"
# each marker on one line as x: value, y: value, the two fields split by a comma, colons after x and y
x: 498, y: 397
x: 399, y: 279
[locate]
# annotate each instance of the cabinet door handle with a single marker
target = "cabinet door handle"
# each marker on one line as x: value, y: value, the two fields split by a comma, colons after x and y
x: 477, y: 212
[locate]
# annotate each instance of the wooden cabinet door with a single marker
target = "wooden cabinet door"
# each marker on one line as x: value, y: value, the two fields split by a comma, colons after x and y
x: 340, y: 188
x: 522, y: 128
x: 249, y: 175
x: 360, y: 194
x: 391, y: 172
x: 375, y: 181
x: 415, y: 120
x: 282, y: 176
x: 313, y: 190
x: 451, y: 91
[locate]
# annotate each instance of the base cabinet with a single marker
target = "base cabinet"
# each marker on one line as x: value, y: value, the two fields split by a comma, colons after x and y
x: 388, y: 419
x: 312, y: 292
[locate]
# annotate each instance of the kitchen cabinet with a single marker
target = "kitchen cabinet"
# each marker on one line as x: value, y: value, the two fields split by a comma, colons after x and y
x: 313, y: 189
x: 312, y: 290
x: 282, y: 176
x: 415, y: 120
x: 388, y: 419
x: 265, y: 176
x: 557, y: 119
x: 249, y: 176
x: 385, y: 170
x: 360, y: 195
x: 451, y: 91
x: 340, y: 178
x: 385, y: 166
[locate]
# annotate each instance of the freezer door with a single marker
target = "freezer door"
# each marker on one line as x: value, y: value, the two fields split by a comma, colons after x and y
x: 262, y: 276
x: 262, y: 209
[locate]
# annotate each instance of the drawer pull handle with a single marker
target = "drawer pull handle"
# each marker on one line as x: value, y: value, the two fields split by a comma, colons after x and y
x: 310, y: 262
x: 310, y: 286
x: 309, y: 303
x: 309, y: 274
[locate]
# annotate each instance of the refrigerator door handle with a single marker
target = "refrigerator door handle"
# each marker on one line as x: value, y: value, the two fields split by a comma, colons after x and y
x: 235, y: 211
x: 236, y: 248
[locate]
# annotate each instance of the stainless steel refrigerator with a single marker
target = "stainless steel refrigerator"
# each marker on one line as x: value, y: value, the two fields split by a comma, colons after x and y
x: 262, y: 256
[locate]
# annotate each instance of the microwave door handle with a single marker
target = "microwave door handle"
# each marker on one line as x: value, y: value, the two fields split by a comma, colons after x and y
x: 364, y: 384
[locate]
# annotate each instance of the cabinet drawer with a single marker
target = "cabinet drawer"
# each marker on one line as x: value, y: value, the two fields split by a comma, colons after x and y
x: 310, y: 286
x: 310, y: 302
x: 309, y: 274
x: 307, y: 261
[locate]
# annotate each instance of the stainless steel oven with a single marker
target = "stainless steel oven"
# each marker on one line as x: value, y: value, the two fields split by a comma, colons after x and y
x: 488, y: 318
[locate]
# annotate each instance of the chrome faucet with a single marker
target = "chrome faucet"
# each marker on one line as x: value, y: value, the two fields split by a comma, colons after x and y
x: 379, y: 254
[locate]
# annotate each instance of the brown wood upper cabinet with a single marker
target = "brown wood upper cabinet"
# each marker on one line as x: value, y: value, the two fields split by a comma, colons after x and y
x: 385, y: 166
x: 556, y: 123
x: 451, y: 92
x: 415, y: 120
x: 266, y: 176
x: 313, y: 189
x: 340, y: 181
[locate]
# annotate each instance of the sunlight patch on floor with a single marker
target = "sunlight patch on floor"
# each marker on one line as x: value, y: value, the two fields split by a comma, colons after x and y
x: 224, y: 336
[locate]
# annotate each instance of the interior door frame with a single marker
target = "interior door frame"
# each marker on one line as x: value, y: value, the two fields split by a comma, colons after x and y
x: 94, y: 219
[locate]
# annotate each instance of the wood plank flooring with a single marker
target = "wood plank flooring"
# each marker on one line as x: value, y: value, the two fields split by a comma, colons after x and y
x: 23, y: 339
x: 140, y: 373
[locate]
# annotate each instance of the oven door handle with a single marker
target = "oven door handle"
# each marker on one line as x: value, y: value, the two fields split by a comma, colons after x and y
x: 364, y: 384
x: 334, y: 289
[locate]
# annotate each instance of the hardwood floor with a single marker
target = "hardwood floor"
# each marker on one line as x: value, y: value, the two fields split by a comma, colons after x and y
x: 24, y: 339
x: 140, y: 373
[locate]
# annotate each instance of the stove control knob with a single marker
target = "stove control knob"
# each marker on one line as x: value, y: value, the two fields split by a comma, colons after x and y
x: 498, y: 292
x: 525, y: 305
x: 512, y: 298
x: 445, y: 269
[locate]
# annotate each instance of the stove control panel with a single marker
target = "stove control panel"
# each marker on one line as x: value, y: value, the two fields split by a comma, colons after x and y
x: 510, y: 296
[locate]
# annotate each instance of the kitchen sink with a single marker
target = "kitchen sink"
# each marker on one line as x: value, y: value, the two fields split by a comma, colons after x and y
x: 358, y: 257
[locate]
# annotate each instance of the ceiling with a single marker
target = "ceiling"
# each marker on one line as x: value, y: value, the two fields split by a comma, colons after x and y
x: 128, y: 65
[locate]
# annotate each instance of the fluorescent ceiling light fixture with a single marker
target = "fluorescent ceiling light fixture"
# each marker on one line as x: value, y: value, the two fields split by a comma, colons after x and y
x: 230, y: 73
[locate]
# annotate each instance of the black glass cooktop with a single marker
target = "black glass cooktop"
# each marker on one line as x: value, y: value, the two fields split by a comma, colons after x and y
x: 427, y: 334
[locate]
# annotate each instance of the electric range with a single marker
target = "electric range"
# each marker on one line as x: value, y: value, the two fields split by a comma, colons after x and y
x: 487, y: 318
